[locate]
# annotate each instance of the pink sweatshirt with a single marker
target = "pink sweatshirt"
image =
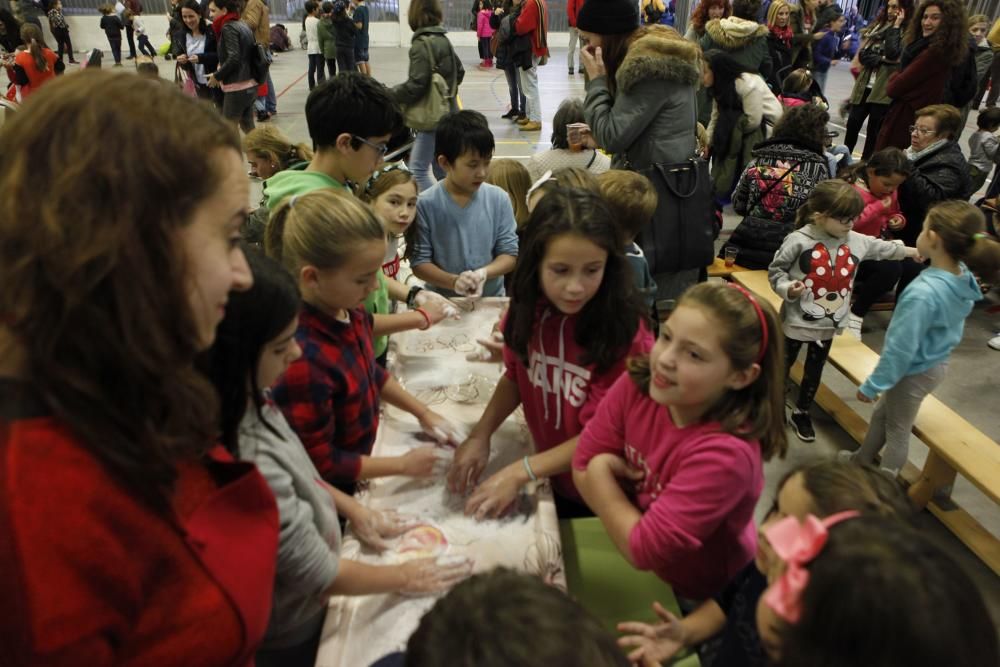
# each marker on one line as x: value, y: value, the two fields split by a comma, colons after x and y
x: 558, y: 393
x: 483, y: 28
x: 697, y: 498
x: 874, y: 219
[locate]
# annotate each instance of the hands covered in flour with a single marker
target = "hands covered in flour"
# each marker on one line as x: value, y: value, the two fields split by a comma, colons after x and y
x: 471, y: 283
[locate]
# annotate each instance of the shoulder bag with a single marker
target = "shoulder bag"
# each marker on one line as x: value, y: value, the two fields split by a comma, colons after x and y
x: 424, y: 115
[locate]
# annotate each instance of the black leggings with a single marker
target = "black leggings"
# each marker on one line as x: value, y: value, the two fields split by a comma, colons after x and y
x: 874, y: 113
x: 345, y: 60
x: 316, y: 73
x: 873, y: 279
x: 61, y: 35
x: 816, y: 354
x: 331, y: 67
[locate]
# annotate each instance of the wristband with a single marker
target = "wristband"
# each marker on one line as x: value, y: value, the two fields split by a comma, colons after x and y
x: 412, y: 294
x: 527, y: 469
x: 427, y: 318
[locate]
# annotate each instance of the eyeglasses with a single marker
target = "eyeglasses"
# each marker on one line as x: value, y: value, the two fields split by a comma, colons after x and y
x: 381, y: 149
x: 926, y: 132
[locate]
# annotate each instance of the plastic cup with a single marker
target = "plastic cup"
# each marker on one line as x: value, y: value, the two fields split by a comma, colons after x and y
x: 730, y: 256
x: 574, y: 136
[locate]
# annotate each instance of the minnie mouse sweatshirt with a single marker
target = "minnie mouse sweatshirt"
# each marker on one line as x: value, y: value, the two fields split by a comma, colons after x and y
x: 826, y: 265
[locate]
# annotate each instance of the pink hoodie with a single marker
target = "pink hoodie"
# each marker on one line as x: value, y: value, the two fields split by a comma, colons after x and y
x: 558, y: 393
x: 698, y: 495
x: 874, y: 219
x: 483, y: 27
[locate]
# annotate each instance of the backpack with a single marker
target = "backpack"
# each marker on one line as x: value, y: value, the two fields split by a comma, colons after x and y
x: 260, y: 55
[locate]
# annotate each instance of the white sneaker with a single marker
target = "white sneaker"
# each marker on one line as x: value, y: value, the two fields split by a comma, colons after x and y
x: 854, y: 325
x: 994, y: 342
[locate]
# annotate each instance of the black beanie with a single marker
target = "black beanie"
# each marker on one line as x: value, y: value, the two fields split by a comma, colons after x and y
x: 608, y: 17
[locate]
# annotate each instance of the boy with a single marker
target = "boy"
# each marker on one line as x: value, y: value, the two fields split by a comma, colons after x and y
x: 139, y: 28
x: 327, y: 38
x: 466, y: 233
x: 983, y: 146
x: 112, y: 27
x: 360, y: 18
x: 632, y: 200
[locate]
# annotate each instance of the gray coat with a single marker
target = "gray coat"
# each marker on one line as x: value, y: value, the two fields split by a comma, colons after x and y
x: 446, y: 63
x: 651, y: 116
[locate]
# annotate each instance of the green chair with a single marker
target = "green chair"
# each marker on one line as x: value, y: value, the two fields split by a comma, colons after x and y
x: 606, y: 585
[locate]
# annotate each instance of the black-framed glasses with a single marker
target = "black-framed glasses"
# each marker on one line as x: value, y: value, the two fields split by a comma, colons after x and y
x: 925, y: 132
x: 381, y: 149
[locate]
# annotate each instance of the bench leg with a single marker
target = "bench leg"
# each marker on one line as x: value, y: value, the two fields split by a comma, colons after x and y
x: 936, y: 473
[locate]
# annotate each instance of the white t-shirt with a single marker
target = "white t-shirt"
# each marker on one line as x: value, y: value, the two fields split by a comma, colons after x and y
x: 195, y: 46
x: 312, y: 35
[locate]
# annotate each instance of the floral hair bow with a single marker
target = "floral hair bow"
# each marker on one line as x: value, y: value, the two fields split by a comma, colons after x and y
x: 392, y: 166
x: 797, y: 544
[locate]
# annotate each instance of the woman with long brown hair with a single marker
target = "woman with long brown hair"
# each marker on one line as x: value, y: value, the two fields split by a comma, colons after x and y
x: 36, y: 64
x: 935, y: 44
x: 130, y: 538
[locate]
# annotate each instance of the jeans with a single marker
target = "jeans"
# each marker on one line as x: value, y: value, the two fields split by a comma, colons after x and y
x: 316, y: 72
x: 517, y: 101
x: 116, y: 49
x: 874, y: 278
x: 61, y: 36
x: 145, y: 47
x: 574, y: 37
x: 893, y: 418
x: 816, y: 354
x: 268, y: 103
x: 422, y: 159
x: 529, y: 85
x: 820, y: 78
x: 130, y: 36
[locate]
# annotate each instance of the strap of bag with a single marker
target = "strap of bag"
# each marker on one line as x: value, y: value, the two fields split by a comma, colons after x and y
x: 773, y: 184
x: 453, y: 87
x: 592, y: 158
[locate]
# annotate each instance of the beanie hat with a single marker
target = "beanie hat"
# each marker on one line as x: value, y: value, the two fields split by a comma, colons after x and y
x: 608, y: 17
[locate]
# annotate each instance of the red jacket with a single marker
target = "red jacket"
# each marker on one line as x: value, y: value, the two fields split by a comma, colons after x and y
x: 36, y: 77
x: 572, y: 7
x: 93, y: 577
x: 874, y: 219
x: 529, y: 21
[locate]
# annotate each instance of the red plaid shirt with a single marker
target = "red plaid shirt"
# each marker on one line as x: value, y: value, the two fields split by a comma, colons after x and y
x: 330, y: 395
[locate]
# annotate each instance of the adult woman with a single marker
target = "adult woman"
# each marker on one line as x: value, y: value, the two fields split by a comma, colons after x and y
x: 741, y: 36
x: 10, y: 31
x: 503, y: 22
x: 775, y: 184
x: 269, y: 151
x: 108, y: 431
x: 780, y: 38
x: 707, y: 10
x: 430, y: 52
x: 194, y: 48
x: 804, y: 23
x: 561, y: 155
x: 940, y: 172
x: 640, y: 102
x: 879, y: 57
x: 236, y: 52
x: 37, y: 63
x: 935, y: 42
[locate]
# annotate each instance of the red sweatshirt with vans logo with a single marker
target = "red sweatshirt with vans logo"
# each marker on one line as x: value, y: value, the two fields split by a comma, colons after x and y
x: 559, y: 393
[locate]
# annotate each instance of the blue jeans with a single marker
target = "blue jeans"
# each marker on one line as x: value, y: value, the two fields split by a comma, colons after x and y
x: 820, y: 78
x: 271, y: 99
x: 517, y: 101
x: 422, y: 160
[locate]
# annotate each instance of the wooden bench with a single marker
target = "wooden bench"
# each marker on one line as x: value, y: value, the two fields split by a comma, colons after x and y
x: 718, y: 269
x: 956, y: 447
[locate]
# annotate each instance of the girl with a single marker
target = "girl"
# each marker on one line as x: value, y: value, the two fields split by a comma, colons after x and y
x: 926, y: 326
x: 512, y: 177
x: 741, y: 102
x: 310, y: 23
x: 858, y: 591
x: 826, y: 51
x: 268, y: 152
x: 797, y: 90
x: 685, y: 430
x: 104, y: 414
x: 392, y: 192
x: 254, y: 346
x: 813, y: 272
x: 574, y: 319
x: 484, y: 32
x: 335, y: 245
x: 877, y: 181
x: 37, y: 63
x: 822, y: 488
x: 564, y: 177
x: 139, y: 26
x: 112, y: 26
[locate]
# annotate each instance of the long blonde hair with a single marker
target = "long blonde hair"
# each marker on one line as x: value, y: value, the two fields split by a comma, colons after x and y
x: 268, y: 142
x: 321, y: 229
x: 512, y: 177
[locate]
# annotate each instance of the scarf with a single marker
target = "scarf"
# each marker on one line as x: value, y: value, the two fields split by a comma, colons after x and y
x: 783, y: 34
x: 913, y: 50
x: 219, y: 22
x: 916, y: 155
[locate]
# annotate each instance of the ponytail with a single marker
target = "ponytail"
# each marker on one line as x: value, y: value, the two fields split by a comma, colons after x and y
x: 32, y: 36
x: 960, y: 226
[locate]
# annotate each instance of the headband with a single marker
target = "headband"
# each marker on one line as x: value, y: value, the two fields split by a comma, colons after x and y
x: 392, y: 166
x: 797, y: 544
x: 760, y: 315
x: 545, y: 178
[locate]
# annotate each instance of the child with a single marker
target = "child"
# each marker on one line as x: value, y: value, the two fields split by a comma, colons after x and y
x: 60, y: 30
x: 859, y: 591
x: 512, y: 177
x: 392, y: 192
x: 813, y: 271
x: 877, y: 181
x: 485, y: 33
x: 466, y: 233
x: 139, y: 27
x: 335, y: 244
x: 573, y: 321
x: 145, y: 67
x: 112, y: 26
x: 826, y: 52
x: 632, y: 201
x: 564, y: 177
x: 311, y: 25
x: 360, y: 18
x: 345, y: 32
x: 822, y: 488
x: 797, y: 89
x: 926, y: 326
x: 255, y: 344
x: 983, y: 146
x: 327, y: 38
x: 686, y: 431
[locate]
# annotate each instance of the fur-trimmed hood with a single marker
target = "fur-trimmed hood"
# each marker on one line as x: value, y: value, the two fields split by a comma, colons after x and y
x: 661, y: 53
x: 734, y: 33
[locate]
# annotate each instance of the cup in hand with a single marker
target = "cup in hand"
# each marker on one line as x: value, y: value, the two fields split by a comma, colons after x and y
x: 574, y: 136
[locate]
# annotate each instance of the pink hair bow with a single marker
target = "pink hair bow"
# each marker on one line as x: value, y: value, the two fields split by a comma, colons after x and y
x: 797, y: 544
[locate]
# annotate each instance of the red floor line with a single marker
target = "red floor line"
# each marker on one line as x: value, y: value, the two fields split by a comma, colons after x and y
x: 291, y: 85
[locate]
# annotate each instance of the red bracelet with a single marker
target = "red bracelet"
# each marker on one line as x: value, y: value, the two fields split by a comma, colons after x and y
x: 427, y: 318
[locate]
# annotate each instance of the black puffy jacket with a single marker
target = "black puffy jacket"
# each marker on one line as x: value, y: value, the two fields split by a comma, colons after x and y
x: 236, y: 53
x: 941, y: 175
